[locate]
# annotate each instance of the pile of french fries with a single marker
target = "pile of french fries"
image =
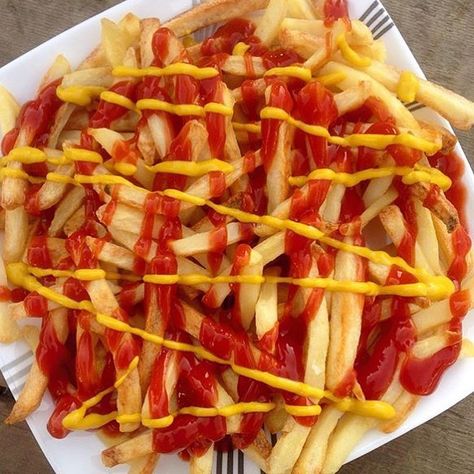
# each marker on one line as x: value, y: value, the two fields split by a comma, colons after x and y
x: 114, y: 233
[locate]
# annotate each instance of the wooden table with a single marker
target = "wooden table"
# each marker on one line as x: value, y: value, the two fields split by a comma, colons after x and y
x: 441, y: 35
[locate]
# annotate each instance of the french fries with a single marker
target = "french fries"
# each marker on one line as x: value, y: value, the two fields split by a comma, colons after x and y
x: 245, y: 235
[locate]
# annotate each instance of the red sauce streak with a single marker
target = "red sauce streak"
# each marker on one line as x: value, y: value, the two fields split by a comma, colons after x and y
x: 218, y: 245
x: 279, y: 97
x: 5, y: 293
x: 227, y: 36
x: 315, y: 105
x: 335, y: 9
x: 375, y: 372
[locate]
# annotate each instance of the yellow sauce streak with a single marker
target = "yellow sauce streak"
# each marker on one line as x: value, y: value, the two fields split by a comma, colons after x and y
x: 79, y: 95
x: 118, y: 99
x: 61, y: 178
x: 410, y: 176
x: 247, y: 127
x: 80, y: 154
x: 127, y: 169
x: 19, y: 276
x: 302, y: 73
x: 407, y: 86
x: 78, y: 419
x: 19, y: 174
x: 184, y: 109
x: 105, y: 179
x: 170, y: 70
x: 375, y: 141
x: 434, y: 287
x: 331, y: 79
x: 349, y: 54
x: 29, y: 155
x: 81, y: 274
x: 377, y: 409
x: 191, y: 168
x: 240, y: 49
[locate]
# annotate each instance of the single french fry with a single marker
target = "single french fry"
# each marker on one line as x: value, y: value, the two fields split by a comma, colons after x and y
x: 145, y: 464
x: 395, y: 226
x: 248, y: 293
x: 56, y: 71
x: 441, y: 207
x: 453, y: 107
x: 203, y: 242
x: 115, y: 42
x: 16, y: 234
x: 268, y: 27
x: 302, y: 42
x: 286, y: 451
x: 345, y: 325
x: 314, y: 451
x: 403, y: 406
x: 70, y: 203
x: 266, y: 309
x: 202, y: 464
x: 352, y: 98
x: 129, y: 393
x: 97, y: 76
x: 148, y: 26
x: 210, y: 12
x: 9, y: 330
x: 9, y: 110
x: 347, y: 434
x: 60, y: 121
x: 136, y: 447
x: 37, y: 382
x: 402, y: 116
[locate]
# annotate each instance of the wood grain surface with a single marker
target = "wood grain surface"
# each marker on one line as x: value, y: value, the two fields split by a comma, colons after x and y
x: 441, y: 35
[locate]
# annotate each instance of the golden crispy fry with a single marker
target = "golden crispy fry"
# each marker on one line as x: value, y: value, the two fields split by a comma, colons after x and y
x: 202, y: 464
x: 37, y: 382
x: 346, y: 313
x: 9, y: 110
x: 208, y: 13
x: 16, y: 234
x: 402, y: 116
x: 453, y: 107
x: 314, y: 451
x: 268, y: 27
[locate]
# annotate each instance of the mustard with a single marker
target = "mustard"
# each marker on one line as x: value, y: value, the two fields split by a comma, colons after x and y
x: 407, y: 87
x: 18, y: 274
x: 375, y: 141
x: 409, y: 176
x: 79, y: 95
x: 299, y: 72
x: 127, y: 169
x: 240, y: 49
x: 332, y: 79
x: 191, y: 168
x: 118, y: 99
x: 434, y: 287
x: 349, y: 54
x: 184, y: 109
x: 247, y: 127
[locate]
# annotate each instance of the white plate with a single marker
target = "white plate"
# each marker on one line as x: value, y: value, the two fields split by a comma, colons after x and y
x: 80, y: 452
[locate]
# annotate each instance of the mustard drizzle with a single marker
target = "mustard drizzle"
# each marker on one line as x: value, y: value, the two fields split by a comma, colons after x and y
x: 18, y: 274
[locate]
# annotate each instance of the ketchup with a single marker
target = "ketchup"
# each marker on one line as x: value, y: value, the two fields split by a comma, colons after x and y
x: 335, y: 9
x: 35, y: 119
